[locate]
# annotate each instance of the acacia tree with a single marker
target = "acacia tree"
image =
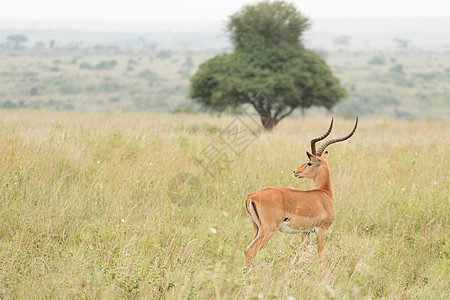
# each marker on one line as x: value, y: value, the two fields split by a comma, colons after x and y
x: 269, y: 68
x: 17, y: 40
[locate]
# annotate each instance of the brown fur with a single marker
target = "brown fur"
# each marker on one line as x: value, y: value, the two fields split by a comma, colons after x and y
x: 303, y: 210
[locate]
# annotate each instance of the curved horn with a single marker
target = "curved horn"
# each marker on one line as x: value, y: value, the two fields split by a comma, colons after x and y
x: 329, y: 142
x: 314, y: 141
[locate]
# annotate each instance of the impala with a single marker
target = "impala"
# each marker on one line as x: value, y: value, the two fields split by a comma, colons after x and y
x: 295, y: 211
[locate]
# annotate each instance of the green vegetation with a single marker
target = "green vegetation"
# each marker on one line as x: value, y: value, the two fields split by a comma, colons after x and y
x: 105, y: 65
x: 60, y: 79
x: 84, y: 79
x: 88, y: 209
x: 410, y: 86
x: 17, y: 40
x: 269, y: 69
x: 377, y: 60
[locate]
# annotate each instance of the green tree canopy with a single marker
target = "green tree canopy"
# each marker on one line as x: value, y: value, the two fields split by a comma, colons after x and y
x: 270, y: 68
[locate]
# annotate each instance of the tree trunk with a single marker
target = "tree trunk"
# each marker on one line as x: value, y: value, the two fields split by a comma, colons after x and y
x: 269, y: 123
x: 270, y: 114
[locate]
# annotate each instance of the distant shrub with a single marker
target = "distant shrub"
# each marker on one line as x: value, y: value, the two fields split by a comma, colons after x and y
x: 68, y: 106
x: 447, y: 72
x: 190, y: 110
x: 34, y: 91
x: 397, y: 69
x: 54, y: 69
x: 322, y: 53
x: 85, y: 65
x: 132, y: 62
x: 427, y: 76
x: 73, y: 61
x: 106, y: 65
x: 164, y: 54
x: 377, y: 61
x: 400, y: 114
x: 69, y: 89
x: 184, y: 74
x: 105, y: 87
x: 401, y: 81
x: 153, y: 78
x: 188, y: 63
x: 106, y: 48
x: 147, y: 73
x: 352, y: 87
x: 8, y: 104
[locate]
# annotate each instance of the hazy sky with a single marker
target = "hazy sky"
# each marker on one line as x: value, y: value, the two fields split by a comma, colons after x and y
x: 148, y: 10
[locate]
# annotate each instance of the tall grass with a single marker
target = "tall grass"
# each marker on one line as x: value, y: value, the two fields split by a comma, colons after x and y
x: 87, y: 209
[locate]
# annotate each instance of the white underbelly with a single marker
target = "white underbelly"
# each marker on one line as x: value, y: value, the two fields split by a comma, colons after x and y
x: 286, y: 229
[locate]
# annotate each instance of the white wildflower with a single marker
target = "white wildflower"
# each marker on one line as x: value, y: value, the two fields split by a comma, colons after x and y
x: 213, y: 230
x: 361, y: 266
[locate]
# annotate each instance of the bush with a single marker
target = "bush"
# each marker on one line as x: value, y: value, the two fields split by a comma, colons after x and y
x: 34, y: 91
x: 397, y: 69
x: 85, y: 65
x: 69, y: 89
x: 184, y: 74
x: 322, y: 53
x: 68, y: 106
x: 164, y: 54
x: 427, y: 76
x: 153, y: 78
x: 377, y: 61
x: 8, y: 104
x: 106, y: 65
x: 401, y: 81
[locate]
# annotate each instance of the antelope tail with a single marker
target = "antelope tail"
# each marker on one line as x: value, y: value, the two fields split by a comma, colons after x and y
x: 251, y: 209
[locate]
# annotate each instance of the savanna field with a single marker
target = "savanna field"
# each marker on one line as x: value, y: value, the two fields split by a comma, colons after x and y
x: 97, y: 205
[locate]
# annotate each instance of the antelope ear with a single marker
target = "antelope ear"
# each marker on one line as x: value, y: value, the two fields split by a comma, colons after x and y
x: 312, y: 157
x: 325, y: 155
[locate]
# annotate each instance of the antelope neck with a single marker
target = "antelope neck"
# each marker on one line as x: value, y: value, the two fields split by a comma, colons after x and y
x: 323, y: 181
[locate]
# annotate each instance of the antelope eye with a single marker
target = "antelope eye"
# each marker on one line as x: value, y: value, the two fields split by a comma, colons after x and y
x: 309, y: 164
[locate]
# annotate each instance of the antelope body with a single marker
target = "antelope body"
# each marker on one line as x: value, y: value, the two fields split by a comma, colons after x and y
x: 295, y: 211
